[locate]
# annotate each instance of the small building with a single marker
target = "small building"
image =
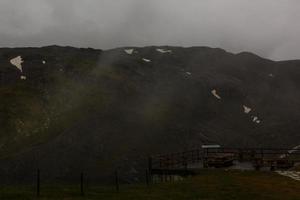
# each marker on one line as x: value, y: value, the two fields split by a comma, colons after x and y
x: 210, y: 146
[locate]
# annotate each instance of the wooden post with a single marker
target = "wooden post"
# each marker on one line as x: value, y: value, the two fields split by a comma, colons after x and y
x: 192, y: 157
x: 184, y: 160
x: 167, y: 176
x: 262, y: 153
x: 160, y: 163
x: 241, y: 156
x: 38, y: 183
x: 257, y: 167
x: 258, y: 164
x: 272, y: 168
x: 81, y: 184
x: 205, y: 157
x: 252, y: 154
x: 147, y: 177
x: 150, y: 168
x: 117, y: 180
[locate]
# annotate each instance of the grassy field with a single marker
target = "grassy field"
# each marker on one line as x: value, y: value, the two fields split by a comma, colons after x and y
x: 209, y: 185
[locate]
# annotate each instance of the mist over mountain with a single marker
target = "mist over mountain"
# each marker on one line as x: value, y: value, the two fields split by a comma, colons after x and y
x: 66, y: 109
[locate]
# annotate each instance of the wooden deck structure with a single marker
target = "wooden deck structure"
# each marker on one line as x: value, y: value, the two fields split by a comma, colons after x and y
x: 218, y: 160
x: 189, y: 162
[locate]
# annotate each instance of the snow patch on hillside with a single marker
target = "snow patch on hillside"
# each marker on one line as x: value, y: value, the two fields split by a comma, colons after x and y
x: 188, y: 73
x: 255, y: 119
x: 146, y: 60
x: 164, y: 50
x: 129, y: 51
x: 214, y: 92
x: 296, y: 148
x: 291, y: 174
x: 17, y: 61
x: 247, y: 109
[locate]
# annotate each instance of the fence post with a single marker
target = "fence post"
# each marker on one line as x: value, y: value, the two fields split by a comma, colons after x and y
x: 81, y: 184
x: 166, y: 176
x: 203, y: 158
x: 117, y: 180
x: 147, y: 177
x: 241, y: 156
x: 150, y: 168
x: 38, y: 183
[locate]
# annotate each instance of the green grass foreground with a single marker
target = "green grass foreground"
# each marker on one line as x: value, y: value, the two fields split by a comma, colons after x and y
x: 208, y: 185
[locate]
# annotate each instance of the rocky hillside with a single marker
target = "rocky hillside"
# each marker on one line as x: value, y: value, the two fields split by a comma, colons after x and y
x: 65, y: 109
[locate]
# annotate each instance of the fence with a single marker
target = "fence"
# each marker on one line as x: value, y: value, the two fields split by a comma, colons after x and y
x: 40, y: 187
x: 182, y: 160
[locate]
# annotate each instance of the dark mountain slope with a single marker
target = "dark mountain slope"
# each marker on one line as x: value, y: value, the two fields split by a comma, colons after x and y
x: 93, y: 110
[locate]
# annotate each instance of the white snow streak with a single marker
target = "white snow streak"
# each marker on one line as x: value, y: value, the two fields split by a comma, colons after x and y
x: 255, y: 119
x: 247, y: 109
x: 129, y: 51
x: 17, y: 61
x: 164, y: 50
x: 291, y: 174
x: 146, y: 60
x: 214, y: 92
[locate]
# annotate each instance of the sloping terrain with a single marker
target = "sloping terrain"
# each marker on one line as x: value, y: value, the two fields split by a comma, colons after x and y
x: 65, y: 110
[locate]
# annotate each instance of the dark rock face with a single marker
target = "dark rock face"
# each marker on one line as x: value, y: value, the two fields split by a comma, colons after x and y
x: 93, y: 110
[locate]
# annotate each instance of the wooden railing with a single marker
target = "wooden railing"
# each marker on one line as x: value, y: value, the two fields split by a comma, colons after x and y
x: 176, y: 160
x: 184, y: 159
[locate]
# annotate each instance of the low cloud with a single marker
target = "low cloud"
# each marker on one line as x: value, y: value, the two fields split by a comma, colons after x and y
x: 266, y: 27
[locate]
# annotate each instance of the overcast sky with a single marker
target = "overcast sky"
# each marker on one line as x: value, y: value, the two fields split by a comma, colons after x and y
x: 269, y: 28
